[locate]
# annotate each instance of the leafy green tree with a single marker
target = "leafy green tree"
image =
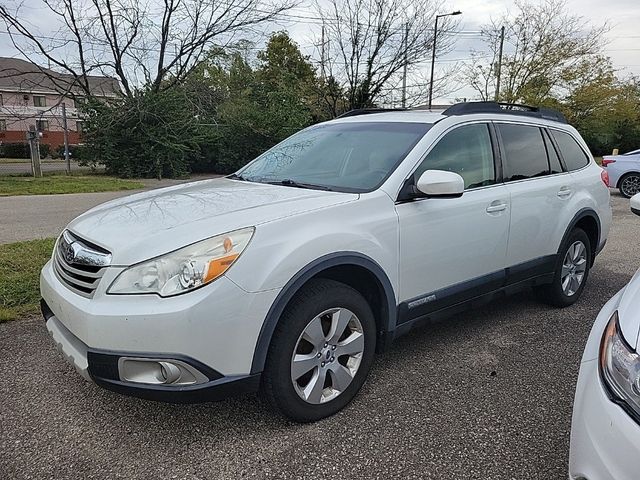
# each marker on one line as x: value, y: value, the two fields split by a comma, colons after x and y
x: 149, y: 134
x: 230, y: 109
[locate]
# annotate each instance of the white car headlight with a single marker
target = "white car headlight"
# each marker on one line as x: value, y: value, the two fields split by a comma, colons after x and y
x: 183, y: 270
x: 620, y: 368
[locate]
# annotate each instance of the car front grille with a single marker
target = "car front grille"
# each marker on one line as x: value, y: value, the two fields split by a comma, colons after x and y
x: 79, y: 264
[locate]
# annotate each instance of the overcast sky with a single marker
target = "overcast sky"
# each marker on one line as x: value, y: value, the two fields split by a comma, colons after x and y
x: 623, y: 40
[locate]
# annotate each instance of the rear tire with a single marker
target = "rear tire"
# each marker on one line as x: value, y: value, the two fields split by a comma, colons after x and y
x: 309, y: 350
x: 571, y: 271
x: 630, y: 185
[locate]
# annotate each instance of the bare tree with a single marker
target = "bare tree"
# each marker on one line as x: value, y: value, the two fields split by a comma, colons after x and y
x: 156, y: 42
x: 369, y: 42
x: 446, y: 82
x: 544, y: 49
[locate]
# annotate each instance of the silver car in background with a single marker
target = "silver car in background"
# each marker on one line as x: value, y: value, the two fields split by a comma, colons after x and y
x: 624, y: 172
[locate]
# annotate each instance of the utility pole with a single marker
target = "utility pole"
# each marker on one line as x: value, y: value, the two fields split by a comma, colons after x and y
x: 433, y: 52
x: 66, y: 138
x: 404, y: 68
x: 499, y: 67
x: 34, y: 149
x: 322, y: 53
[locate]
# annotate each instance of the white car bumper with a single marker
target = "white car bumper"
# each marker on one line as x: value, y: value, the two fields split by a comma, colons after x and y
x: 203, y: 339
x: 605, y: 440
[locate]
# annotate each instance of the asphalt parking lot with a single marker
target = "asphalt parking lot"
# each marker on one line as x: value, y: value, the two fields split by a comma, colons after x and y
x: 484, y: 395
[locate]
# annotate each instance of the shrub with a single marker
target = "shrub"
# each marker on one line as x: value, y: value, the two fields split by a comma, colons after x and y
x: 15, y: 150
x: 45, y: 150
x: 76, y: 152
x: 150, y: 134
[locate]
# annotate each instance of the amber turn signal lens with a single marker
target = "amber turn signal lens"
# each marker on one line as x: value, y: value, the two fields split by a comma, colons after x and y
x: 218, y: 266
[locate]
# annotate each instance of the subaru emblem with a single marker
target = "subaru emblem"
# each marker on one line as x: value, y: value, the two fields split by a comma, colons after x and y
x: 70, y: 254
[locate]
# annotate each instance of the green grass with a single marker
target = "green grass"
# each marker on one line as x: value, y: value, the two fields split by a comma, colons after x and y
x: 20, y: 265
x: 53, y: 184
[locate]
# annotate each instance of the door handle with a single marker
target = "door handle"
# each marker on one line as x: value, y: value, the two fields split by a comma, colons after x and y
x: 497, y: 206
x: 564, y: 192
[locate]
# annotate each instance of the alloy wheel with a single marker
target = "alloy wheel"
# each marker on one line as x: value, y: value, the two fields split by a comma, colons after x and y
x: 574, y: 267
x: 327, y: 355
x: 630, y: 185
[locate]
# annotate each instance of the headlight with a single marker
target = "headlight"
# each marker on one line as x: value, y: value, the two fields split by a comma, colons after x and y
x: 620, y: 368
x: 185, y: 269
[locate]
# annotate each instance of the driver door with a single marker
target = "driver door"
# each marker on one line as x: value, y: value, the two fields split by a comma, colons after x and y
x: 453, y: 249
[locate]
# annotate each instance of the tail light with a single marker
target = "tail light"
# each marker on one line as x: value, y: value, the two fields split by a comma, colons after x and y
x: 607, y: 161
x: 604, y: 175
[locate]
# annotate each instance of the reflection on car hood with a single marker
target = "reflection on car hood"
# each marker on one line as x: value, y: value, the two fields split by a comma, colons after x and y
x: 629, y: 311
x: 148, y: 224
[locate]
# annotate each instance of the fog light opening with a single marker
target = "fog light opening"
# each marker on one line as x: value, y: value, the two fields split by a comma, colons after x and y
x: 158, y: 371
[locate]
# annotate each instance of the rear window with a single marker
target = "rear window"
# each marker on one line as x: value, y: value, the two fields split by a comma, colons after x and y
x: 574, y: 157
x: 526, y: 155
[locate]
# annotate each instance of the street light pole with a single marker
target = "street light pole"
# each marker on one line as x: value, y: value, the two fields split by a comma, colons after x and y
x: 433, y: 52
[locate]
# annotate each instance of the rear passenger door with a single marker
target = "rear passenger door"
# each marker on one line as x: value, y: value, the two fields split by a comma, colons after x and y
x: 540, y: 191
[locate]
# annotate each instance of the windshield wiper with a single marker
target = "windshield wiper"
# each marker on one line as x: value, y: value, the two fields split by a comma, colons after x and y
x: 235, y: 176
x: 287, y: 182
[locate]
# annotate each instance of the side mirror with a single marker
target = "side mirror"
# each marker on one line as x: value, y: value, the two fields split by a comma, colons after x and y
x: 635, y: 204
x: 440, y: 183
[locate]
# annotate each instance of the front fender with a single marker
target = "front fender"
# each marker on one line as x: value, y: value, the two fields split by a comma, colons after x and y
x: 300, y: 278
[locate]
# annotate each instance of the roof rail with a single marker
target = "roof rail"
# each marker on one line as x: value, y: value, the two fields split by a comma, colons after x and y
x: 365, y: 111
x: 507, y: 108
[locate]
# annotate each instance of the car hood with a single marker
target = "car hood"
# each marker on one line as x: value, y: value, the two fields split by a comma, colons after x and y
x: 148, y: 224
x: 629, y: 311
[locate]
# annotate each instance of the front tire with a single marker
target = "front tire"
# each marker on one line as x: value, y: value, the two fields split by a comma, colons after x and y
x: 630, y: 185
x: 321, y: 352
x: 571, y: 272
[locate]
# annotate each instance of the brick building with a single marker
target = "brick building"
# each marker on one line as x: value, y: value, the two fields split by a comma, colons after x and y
x: 33, y: 95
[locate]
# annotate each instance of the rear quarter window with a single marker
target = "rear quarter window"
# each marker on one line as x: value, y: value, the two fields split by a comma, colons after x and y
x: 574, y: 157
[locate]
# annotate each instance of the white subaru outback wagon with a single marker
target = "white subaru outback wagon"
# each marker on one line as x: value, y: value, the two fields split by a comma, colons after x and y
x: 288, y: 275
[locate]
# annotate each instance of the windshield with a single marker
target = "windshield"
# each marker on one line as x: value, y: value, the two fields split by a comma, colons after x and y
x: 348, y: 157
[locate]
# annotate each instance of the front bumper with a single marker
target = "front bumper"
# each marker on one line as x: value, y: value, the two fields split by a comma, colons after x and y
x: 103, y: 368
x: 218, y: 325
x: 211, y: 333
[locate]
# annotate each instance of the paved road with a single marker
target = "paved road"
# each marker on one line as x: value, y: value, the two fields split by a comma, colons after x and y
x: 13, y: 168
x: 26, y: 217
x: 484, y: 395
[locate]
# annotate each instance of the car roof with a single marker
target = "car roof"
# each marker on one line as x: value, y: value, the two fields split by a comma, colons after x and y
x: 484, y: 110
x: 434, y: 116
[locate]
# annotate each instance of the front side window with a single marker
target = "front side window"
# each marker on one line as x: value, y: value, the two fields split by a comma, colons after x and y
x: 466, y: 151
x: 526, y: 155
x: 39, y: 101
x: 42, y: 125
x: 350, y: 156
x: 574, y: 157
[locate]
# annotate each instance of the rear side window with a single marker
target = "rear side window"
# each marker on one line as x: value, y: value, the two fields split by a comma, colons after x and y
x: 554, y: 160
x: 467, y: 151
x: 574, y: 157
x: 525, y: 151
